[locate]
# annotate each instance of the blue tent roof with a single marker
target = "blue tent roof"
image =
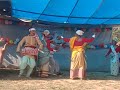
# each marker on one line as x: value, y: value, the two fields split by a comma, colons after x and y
x: 69, y: 11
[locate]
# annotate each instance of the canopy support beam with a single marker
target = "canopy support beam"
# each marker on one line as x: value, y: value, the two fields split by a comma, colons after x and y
x: 95, y: 11
x: 72, y: 10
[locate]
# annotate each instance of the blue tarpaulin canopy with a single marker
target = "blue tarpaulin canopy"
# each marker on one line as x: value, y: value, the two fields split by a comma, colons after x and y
x: 68, y: 11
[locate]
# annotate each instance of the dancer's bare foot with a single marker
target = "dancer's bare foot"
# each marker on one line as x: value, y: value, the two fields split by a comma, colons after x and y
x: 74, y: 78
x: 83, y: 78
x: 28, y: 77
x: 44, y: 76
x: 19, y: 76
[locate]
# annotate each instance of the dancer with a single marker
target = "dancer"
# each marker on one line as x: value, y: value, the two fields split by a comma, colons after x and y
x: 46, y: 61
x: 114, y: 60
x: 117, y: 48
x: 54, y: 68
x: 78, y: 62
x: 29, y: 52
x: 43, y: 58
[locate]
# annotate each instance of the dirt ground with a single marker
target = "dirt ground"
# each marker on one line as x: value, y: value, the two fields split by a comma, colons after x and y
x: 95, y: 81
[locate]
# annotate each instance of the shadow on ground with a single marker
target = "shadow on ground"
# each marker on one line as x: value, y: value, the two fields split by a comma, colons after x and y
x: 12, y: 74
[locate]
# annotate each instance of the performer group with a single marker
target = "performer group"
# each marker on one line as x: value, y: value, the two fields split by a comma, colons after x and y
x: 38, y: 53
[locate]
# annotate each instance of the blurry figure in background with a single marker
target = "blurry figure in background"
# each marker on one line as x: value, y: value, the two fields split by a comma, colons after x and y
x: 43, y: 58
x: 114, y: 62
x: 114, y: 57
x: 60, y: 43
x: 54, y: 68
x: 29, y: 52
x: 2, y: 49
x: 57, y: 44
x: 78, y: 60
x: 117, y: 48
x: 46, y: 62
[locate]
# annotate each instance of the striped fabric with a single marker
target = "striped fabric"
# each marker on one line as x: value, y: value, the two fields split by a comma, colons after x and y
x: 29, y: 51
